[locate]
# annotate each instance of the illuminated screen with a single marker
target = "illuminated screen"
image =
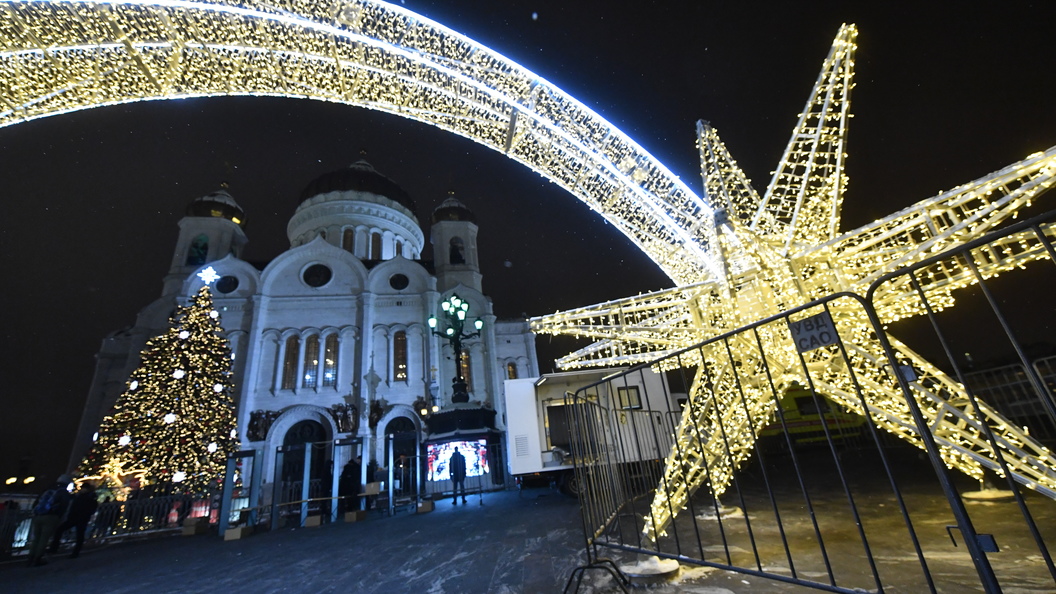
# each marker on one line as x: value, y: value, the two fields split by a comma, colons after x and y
x: 439, y: 455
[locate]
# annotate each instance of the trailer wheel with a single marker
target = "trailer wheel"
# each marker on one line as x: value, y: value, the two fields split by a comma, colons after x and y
x: 570, y: 484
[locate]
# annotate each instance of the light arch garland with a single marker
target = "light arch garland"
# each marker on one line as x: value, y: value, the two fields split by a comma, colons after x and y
x: 753, y: 257
x: 63, y: 56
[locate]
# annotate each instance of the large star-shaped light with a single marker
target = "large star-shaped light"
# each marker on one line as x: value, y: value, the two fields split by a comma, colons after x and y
x: 783, y: 250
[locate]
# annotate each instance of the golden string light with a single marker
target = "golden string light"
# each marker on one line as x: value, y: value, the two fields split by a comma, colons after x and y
x: 782, y: 250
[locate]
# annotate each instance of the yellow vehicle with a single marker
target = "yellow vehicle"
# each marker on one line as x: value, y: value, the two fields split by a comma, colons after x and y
x: 806, y: 417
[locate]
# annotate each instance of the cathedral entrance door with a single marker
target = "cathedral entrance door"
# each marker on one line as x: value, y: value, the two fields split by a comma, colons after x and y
x: 308, y: 434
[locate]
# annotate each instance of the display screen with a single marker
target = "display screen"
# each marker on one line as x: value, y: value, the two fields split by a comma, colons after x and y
x: 439, y: 458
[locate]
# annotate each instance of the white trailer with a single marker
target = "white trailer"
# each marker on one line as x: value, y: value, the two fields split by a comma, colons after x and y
x: 539, y: 440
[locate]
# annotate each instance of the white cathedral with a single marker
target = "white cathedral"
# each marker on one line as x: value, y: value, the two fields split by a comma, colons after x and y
x: 331, y: 339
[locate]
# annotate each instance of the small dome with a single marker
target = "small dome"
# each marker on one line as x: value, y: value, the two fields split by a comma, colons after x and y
x: 358, y: 177
x: 218, y: 204
x: 452, y: 209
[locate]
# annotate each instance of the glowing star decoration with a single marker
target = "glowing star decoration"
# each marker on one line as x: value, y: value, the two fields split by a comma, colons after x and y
x: 208, y: 276
x: 169, y: 419
x: 124, y: 440
x: 133, y: 385
x: 218, y: 388
x: 179, y: 373
x: 214, y: 314
x: 234, y: 434
x: 783, y: 249
x: 184, y: 334
x: 211, y: 447
x: 179, y: 476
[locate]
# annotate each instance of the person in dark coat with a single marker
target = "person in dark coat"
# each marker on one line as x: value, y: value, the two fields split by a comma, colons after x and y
x: 348, y: 485
x: 457, y: 464
x: 82, y: 507
x: 45, y: 522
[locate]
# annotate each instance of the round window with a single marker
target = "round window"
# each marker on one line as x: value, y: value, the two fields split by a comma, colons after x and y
x: 398, y: 282
x: 226, y: 284
x: 317, y: 275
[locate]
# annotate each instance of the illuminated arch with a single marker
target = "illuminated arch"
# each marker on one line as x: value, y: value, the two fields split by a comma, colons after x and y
x: 62, y: 56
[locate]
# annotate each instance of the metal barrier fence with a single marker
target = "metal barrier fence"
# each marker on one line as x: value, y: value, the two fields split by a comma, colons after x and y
x: 907, y: 480
x: 1008, y: 388
x: 113, y: 520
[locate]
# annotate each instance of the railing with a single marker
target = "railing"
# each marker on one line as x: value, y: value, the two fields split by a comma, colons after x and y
x: 113, y: 520
x: 879, y: 511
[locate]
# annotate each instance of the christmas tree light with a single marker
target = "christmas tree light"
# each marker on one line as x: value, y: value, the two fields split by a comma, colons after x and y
x: 174, y: 425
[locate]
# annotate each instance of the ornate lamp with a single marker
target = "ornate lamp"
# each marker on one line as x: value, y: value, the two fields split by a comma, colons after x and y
x: 451, y: 327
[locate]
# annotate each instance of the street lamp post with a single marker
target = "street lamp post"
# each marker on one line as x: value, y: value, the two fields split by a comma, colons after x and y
x: 454, y: 318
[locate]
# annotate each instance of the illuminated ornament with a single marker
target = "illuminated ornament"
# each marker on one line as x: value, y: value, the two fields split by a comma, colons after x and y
x: 783, y: 249
x: 179, y: 476
x: 133, y: 385
x: 184, y: 334
x: 124, y: 440
x: 218, y: 388
x: 214, y: 314
x: 179, y: 373
x: 169, y: 419
x: 234, y: 434
x: 208, y: 275
x: 211, y: 448
x: 95, y: 436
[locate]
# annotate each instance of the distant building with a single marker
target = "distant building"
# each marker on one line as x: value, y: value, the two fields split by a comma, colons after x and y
x: 330, y: 338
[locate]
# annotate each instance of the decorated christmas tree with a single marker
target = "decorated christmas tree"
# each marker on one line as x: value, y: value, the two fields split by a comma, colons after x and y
x: 172, y: 428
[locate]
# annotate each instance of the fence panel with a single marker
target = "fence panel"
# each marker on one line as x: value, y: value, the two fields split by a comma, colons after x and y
x: 815, y: 448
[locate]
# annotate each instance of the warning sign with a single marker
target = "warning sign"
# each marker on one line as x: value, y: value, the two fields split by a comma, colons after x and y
x: 813, y: 332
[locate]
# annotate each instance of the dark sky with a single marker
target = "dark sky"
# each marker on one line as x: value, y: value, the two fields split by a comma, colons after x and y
x: 92, y: 198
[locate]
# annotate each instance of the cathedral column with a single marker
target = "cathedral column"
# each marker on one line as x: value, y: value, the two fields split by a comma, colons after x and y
x: 366, y: 349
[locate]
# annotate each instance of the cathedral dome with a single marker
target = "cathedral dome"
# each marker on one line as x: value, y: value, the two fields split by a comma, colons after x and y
x: 452, y: 209
x: 358, y: 177
x: 217, y: 204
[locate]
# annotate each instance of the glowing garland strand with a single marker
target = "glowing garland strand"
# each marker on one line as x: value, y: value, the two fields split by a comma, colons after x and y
x: 781, y: 250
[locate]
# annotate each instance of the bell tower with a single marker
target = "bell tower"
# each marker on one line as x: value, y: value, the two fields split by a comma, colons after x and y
x: 211, y: 229
x: 454, y: 239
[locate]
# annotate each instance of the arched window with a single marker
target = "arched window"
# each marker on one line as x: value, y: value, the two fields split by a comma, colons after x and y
x: 399, y: 248
x: 399, y: 356
x: 511, y: 370
x: 464, y: 367
x: 330, y: 362
x: 348, y: 240
x: 458, y: 251
x: 311, y: 362
x: 289, y: 363
x: 198, y: 250
x: 375, y: 246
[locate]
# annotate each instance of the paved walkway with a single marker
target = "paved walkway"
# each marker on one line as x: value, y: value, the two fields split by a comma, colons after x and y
x: 528, y: 542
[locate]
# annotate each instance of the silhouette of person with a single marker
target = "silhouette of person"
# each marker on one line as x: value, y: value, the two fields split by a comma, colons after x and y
x: 81, y: 509
x: 457, y: 464
x: 45, y: 521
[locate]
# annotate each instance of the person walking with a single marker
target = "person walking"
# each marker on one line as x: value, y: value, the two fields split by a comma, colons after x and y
x: 48, y: 511
x: 82, y: 507
x: 457, y: 464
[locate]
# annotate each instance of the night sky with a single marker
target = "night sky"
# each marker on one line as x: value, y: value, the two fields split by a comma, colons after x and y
x: 92, y: 199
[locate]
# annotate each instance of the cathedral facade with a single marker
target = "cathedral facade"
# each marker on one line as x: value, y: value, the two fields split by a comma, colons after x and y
x: 331, y: 339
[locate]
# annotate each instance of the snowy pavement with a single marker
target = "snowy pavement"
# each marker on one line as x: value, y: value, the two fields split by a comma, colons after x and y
x: 528, y: 542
